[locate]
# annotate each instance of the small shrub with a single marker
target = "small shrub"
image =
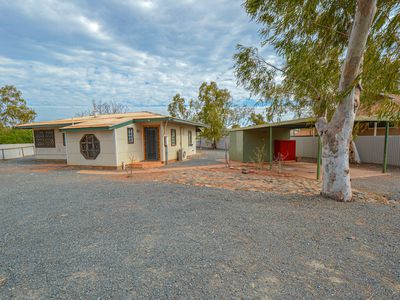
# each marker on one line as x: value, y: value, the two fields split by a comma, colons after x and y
x: 129, y: 167
x: 279, y: 159
x: 259, y: 157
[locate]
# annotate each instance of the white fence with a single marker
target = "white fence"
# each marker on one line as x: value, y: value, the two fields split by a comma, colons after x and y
x: 10, y: 151
x: 205, y: 143
x: 306, y: 146
x: 370, y: 148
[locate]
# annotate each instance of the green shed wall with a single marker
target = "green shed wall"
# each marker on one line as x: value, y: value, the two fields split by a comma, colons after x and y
x: 236, y: 145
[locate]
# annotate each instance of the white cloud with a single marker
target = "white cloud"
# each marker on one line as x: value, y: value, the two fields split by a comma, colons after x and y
x: 64, y: 15
x: 116, y: 53
x: 145, y: 4
x: 92, y: 27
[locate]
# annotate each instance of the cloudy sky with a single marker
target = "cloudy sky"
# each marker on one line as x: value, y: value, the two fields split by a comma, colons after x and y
x: 63, y: 54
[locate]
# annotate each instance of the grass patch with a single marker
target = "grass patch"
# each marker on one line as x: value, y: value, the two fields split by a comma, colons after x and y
x: 15, y: 136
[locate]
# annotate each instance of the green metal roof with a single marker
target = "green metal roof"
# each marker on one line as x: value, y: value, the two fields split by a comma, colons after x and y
x: 302, y: 123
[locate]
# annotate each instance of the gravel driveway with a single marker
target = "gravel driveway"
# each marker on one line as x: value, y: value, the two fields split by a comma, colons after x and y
x: 203, y: 157
x: 75, y: 236
x: 388, y: 185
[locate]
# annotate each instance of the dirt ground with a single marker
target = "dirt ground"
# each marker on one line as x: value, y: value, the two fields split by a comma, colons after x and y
x: 256, y: 180
x: 208, y: 169
x: 192, y: 232
x: 74, y: 234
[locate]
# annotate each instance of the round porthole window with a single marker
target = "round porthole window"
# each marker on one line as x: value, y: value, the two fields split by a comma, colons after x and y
x: 90, y: 146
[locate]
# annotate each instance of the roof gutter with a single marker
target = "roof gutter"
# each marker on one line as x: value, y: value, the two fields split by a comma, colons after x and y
x: 170, y: 119
x: 41, y: 126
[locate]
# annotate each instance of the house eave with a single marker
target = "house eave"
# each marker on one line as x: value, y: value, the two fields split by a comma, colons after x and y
x: 42, y: 126
x: 86, y: 129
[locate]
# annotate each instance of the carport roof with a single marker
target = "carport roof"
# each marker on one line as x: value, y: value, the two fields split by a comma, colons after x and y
x: 302, y: 123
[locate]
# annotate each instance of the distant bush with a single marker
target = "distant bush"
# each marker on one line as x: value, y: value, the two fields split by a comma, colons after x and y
x: 15, y: 136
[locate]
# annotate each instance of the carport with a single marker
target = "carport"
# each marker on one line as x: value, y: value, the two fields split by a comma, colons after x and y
x: 244, y: 141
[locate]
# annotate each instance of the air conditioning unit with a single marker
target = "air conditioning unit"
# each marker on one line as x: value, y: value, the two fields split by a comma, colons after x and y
x: 182, y: 155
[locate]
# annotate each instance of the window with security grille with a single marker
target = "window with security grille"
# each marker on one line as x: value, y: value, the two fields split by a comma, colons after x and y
x: 90, y: 146
x: 190, y: 138
x: 44, y: 138
x: 131, y: 135
x: 173, y: 137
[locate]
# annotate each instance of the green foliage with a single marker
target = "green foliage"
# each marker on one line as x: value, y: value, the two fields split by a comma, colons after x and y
x: 238, y: 116
x: 256, y: 119
x: 310, y: 38
x: 13, y: 108
x: 177, y: 108
x: 390, y: 109
x: 213, y: 108
x: 15, y: 136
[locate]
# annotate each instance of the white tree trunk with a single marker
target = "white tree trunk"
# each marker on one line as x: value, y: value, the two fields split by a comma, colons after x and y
x: 354, y: 155
x: 335, y: 152
x: 336, y: 135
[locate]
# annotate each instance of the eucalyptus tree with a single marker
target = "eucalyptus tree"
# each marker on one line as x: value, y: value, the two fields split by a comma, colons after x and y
x: 177, y: 108
x: 214, y: 108
x: 333, y: 56
x: 13, y: 108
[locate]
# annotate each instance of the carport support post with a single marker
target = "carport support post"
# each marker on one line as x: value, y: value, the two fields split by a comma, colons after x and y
x: 319, y: 158
x: 385, y: 149
x: 270, y: 148
x: 165, y: 140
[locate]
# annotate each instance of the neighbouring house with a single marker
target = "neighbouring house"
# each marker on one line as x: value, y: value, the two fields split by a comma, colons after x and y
x: 367, y: 129
x: 365, y: 125
x: 114, y: 140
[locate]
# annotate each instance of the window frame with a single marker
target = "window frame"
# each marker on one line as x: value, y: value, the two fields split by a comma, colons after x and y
x: 48, y: 142
x: 190, y: 138
x: 132, y: 130
x: 173, y: 137
x: 85, y: 152
x: 64, y: 139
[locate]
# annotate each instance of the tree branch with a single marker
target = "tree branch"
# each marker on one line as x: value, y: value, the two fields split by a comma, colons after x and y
x: 321, y: 125
x: 358, y: 39
x: 330, y: 28
x: 291, y: 76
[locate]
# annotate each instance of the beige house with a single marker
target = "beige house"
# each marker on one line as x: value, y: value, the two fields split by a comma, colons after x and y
x: 113, y: 140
